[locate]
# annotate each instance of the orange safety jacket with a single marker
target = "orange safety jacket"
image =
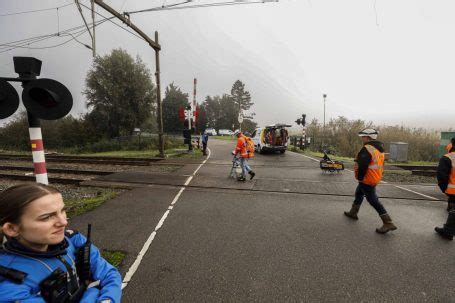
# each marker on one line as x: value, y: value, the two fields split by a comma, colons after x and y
x: 241, y: 147
x: 375, y: 168
x: 451, y: 186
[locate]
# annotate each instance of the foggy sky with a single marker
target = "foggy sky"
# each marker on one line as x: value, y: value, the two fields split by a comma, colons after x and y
x: 386, y: 61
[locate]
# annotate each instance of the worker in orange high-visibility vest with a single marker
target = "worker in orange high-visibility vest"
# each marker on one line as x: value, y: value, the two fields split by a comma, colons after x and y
x: 241, y: 149
x: 368, y: 168
x: 446, y: 182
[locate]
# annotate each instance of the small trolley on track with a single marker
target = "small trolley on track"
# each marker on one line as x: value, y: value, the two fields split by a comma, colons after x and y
x: 329, y: 165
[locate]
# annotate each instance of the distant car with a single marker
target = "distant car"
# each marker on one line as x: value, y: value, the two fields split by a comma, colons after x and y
x: 211, y: 131
x: 271, y: 138
x: 225, y: 132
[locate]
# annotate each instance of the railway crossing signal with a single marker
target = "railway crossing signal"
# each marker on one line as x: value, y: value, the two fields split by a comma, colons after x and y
x: 43, y: 98
x: 9, y: 99
x: 301, y: 120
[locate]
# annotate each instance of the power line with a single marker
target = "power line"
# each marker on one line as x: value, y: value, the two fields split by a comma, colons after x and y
x: 37, y: 10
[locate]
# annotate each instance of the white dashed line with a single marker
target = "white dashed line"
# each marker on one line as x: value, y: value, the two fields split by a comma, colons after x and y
x: 147, y: 243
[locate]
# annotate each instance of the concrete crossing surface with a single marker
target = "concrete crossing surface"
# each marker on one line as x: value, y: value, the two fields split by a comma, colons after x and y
x: 281, y: 237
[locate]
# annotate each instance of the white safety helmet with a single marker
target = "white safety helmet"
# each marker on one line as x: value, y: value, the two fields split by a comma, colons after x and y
x: 369, y: 132
x: 237, y: 132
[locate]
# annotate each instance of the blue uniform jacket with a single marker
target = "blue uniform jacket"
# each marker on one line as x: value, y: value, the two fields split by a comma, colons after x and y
x: 39, y: 268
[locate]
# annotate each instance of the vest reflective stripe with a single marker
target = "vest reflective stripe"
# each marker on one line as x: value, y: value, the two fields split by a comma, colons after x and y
x: 451, y: 186
x: 374, y: 173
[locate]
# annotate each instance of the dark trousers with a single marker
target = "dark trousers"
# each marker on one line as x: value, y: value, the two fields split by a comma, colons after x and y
x: 369, y: 192
x: 451, y: 202
x: 204, y: 148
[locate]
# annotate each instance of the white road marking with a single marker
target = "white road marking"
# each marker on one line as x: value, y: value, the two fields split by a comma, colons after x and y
x: 147, y: 243
x: 400, y: 187
x: 412, y: 191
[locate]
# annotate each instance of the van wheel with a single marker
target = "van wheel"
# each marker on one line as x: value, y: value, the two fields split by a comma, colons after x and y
x: 282, y: 151
x: 261, y: 150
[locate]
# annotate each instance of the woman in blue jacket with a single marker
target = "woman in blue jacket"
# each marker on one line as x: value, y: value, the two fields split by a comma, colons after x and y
x: 38, y: 255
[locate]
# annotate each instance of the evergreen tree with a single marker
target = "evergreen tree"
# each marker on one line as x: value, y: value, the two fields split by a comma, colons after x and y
x: 174, y: 100
x: 241, y: 99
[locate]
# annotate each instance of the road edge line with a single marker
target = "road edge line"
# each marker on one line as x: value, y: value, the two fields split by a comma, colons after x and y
x: 133, y: 268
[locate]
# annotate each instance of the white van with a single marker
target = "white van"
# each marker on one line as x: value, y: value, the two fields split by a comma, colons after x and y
x: 211, y: 131
x: 225, y: 132
x: 271, y: 138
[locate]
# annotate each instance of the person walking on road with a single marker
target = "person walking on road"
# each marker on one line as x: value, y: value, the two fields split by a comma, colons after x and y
x: 241, y: 148
x: 205, y: 140
x: 446, y: 182
x: 368, y: 168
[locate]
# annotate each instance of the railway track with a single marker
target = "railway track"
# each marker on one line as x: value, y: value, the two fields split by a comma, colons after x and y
x: 58, y: 180
x: 67, y: 176
x: 86, y: 160
x: 58, y: 170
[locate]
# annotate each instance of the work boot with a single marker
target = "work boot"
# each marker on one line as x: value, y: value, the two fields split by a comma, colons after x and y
x: 242, y: 178
x: 252, y: 174
x: 448, y: 230
x: 443, y: 233
x: 387, y: 224
x: 353, y: 212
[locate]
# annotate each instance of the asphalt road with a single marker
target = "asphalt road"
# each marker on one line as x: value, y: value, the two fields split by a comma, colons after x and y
x: 283, y: 238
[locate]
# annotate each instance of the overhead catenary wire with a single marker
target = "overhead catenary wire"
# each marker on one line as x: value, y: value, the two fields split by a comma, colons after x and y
x: 32, y: 39
x: 35, y: 11
x: 175, y: 7
x: 51, y: 46
x: 26, y: 42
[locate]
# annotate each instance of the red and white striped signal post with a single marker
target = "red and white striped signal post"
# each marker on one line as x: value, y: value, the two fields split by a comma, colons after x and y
x: 36, y: 140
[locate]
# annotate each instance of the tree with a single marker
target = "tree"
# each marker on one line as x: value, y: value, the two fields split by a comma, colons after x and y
x: 174, y: 99
x: 241, y: 99
x: 249, y: 126
x: 222, y: 111
x: 120, y: 93
x: 201, y: 122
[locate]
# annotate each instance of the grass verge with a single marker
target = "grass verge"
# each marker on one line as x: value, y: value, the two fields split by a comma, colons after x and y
x: 114, y: 257
x: 79, y: 206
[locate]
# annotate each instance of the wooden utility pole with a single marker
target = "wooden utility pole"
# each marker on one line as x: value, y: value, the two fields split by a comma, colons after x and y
x: 158, y: 100
x: 93, y: 29
x: 155, y: 45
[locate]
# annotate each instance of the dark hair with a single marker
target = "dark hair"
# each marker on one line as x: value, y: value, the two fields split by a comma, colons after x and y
x: 15, y: 199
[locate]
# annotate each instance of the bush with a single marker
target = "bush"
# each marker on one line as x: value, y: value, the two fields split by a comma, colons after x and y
x: 340, y: 135
x: 76, y: 135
